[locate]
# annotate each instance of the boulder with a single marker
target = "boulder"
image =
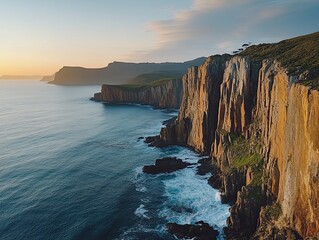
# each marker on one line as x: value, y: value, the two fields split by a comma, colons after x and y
x: 197, y: 231
x: 165, y: 165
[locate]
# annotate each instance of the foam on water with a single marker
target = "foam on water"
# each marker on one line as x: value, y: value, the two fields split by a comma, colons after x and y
x: 190, y: 199
x: 139, y: 180
x: 141, y: 212
x: 217, y: 197
x: 187, y: 197
x: 74, y: 167
x: 141, y: 189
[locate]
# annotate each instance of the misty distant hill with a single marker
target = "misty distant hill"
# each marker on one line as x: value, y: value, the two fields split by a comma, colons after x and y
x: 47, y: 78
x: 118, y: 72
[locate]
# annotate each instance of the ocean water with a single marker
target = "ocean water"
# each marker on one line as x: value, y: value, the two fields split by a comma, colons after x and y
x: 71, y: 168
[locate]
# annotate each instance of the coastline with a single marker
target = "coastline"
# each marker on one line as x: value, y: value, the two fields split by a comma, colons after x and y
x: 204, y: 167
x: 243, y: 111
x: 195, y: 170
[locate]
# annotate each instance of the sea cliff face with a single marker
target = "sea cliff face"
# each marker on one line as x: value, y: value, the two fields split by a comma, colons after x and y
x: 166, y: 95
x: 197, y: 119
x: 260, y: 126
x: 288, y: 115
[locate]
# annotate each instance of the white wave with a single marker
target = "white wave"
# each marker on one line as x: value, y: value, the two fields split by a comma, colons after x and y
x: 191, y: 199
x: 139, y: 180
x: 141, y: 212
x: 173, y: 113
x: 138, y: 172
x: 140, y: 188
x: 217, y: 197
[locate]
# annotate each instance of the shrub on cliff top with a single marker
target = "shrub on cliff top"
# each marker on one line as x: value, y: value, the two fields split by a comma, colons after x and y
x: 148, y: 78
x: 142, y: 87
x: 296, y: 54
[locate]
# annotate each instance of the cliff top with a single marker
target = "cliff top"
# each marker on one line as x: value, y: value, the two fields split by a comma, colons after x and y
x: 118, y: 72
x: 148, y: 78
x: 143, y: 86
x: 298, y: 55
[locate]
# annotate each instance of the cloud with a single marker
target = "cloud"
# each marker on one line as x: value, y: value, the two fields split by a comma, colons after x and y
x: 217, y: 26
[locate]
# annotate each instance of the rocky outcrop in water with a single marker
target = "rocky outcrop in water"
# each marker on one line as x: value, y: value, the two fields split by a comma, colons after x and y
x: 259, y: 122
x: 198, y: 231
x: 165, y: 165
x: 164, y: 95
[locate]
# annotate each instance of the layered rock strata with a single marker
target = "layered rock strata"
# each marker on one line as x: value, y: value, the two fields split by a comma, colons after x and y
x: 260, y: 127
x: 166, y: 95
x: 197, y: 119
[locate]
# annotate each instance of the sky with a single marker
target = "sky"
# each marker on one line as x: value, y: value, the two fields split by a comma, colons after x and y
x: 38, y: 37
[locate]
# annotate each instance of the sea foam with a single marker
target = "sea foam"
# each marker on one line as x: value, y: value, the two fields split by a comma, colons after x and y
x: 190, y: 199
x: 141, y: 212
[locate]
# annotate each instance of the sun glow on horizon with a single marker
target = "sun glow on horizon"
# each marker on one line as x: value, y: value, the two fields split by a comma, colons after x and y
x: 40, y: 37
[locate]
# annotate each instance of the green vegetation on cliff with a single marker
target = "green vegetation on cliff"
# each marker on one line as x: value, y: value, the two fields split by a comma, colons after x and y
x: 242, y: 154
x: 142, y: 87
x: 298, y: 55
x: 274, y: 211
x: 158, y: 76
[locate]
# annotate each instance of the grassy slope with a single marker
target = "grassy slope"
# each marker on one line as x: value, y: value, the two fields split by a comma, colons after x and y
x: 296, y: 54
x: 145, y: 81
x: 156, y: 76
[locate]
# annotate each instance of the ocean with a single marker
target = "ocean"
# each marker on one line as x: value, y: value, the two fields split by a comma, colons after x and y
x: 71, y: 168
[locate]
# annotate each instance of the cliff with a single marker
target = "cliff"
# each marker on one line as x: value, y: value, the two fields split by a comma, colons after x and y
x: 197, y: 119
x: 48, y: 78
x: 167, y: 94
x: 118, y: 72
x: 257, y: 115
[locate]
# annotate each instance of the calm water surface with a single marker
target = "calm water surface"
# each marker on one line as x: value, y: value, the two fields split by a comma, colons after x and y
x: 71, y: 169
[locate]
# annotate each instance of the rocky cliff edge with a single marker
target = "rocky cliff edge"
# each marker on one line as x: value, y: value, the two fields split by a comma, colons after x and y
x: 258, y: 118
x: 167, y: 94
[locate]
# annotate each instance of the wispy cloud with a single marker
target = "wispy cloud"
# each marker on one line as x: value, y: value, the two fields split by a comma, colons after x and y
x: 217, y: 26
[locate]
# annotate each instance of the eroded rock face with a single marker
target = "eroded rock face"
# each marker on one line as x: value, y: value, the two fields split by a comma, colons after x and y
x: 244, y: 213
x: 167, y: 95
x: 286, y: 115
x: 289, y: 122
x: 279, y: 120
x: 197, y: 119
x: 237, y: 95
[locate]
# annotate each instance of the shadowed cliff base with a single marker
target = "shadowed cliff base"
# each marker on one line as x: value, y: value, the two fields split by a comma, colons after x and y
x: 256, y: 114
